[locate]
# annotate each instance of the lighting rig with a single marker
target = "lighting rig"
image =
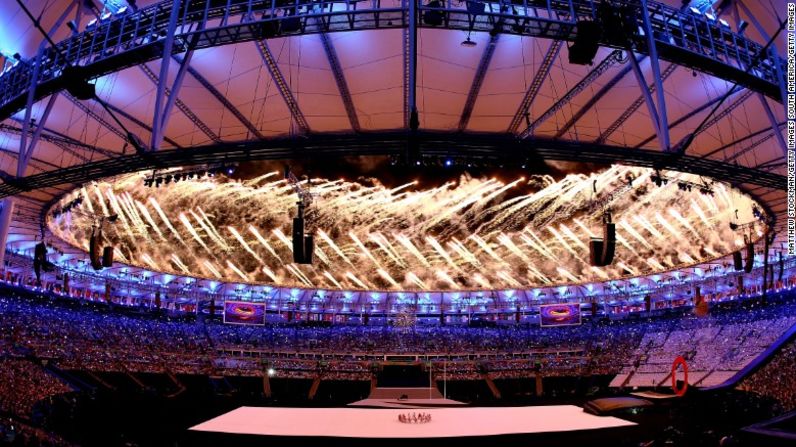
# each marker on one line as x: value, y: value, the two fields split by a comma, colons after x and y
x: 683, y: 185
x: 156, y: 179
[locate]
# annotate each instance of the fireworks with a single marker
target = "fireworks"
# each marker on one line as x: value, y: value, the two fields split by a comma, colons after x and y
x: 473, y: 233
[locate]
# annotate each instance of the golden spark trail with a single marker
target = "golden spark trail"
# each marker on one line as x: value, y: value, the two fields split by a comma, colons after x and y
x: 334, y: 246
x: 264, y: 242
x: 212, y: 269
x: 331, y: 278
x: 244, y: 244
x: 193, y: 232
x: 165, y: 219
x: 235, y: 269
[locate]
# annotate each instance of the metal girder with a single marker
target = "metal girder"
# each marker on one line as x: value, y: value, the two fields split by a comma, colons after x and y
x: 500, y: 149
x: 139, y: 123
x: 663, y: 117
x: 93, y: 115
x: 536, y: 85
x: 718, y: 117
x: 161, y: 114
x: 222, y: 99
x: 25, y: 154
x: 740, y: 140
x: 410, y: 60
x: 478, y: 81
x: 687, y: 116
x: 184, y: 109
x: 339, y: 79
x: 595, y: 98
x: 134, y: 38
x: 592, y: 76
x: 632, y: 109
x: 773, y: 120
x: 750, y: 147
x: 282, y: 85
x: 655, y: 118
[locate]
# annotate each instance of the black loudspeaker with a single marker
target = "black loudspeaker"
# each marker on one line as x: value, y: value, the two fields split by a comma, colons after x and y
x: 309, y: 247
x: 601, y: 251
x: 157, y: 299
x: 750, y: 258
x: 587, y: 41
x: 737, y: 260
x: 76, y: 83
x: 107, y: 257
x: 595, y: 251
x: 303, y: 246
x: 647, y: 303
x: 432, y: 17
x: 94, y: 251
x: 609, y: 243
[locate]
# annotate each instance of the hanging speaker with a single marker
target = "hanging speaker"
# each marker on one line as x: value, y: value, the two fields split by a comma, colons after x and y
x: 298, y: 239
x: 609, y: 243
x: 94, y: 251
x: 587, y: 41
x: 737, y: 260
x: 596, y: 252
x: 309, y: 247
x: 107, y: 256
x: 750, y: 258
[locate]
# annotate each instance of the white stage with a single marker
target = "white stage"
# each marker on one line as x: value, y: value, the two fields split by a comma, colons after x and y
x: 383, y: 423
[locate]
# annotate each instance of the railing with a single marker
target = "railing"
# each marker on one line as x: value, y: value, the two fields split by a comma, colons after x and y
x: 133, y: 38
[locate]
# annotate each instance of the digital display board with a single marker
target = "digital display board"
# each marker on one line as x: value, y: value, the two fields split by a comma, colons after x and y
x: 559, y: 314
x: 238, y: 312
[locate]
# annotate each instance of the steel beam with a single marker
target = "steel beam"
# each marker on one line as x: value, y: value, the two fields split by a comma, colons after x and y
x: 523, y: 110
x: 139, y: 123
x: 652, y: 110
x: 410, y: 58
x: 592, y: 76
x: 595, y: 98
x: 126, y: 41
x: 632, y: 109
x: 687, y: 116
x: 184, y: 109
x: 663, y: 117
x: 161, y: 112
x: 283, y: 87
x: 339, y: 78
x: 478, y: 81
x: 222, y: 99
x: 487, y: 148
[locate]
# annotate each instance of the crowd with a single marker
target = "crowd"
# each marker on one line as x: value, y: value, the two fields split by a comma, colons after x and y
x: 83, y: 337
x: 23, y: 383
x: 776, y: 380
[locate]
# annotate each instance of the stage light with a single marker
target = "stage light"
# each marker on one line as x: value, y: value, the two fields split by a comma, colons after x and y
x: 696, y: 11
x: 724, y: 23
x: 742, y: 26
x: 710, y: 17
x: 91, y: 23
x: 448, y: 162
x: 271, y: 372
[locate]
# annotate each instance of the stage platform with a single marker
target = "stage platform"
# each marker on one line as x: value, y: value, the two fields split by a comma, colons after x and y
x: 478, y: 423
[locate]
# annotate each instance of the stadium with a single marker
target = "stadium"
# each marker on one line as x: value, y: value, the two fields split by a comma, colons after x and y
x: 233, y: 222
